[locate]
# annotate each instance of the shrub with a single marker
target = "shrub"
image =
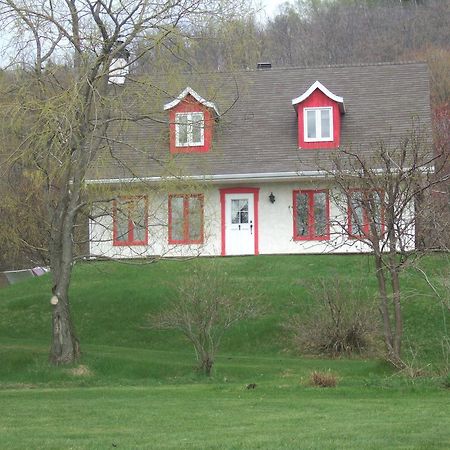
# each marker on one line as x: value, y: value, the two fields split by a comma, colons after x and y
x: 340, y: 321
x: 323, y: 379
x: 208, y: 304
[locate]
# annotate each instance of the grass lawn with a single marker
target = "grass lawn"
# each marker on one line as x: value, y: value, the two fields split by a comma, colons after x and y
x: 137, y: 388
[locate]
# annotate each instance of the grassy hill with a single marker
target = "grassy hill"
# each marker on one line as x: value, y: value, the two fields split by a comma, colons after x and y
x: 111, y: 302
x: 136, y: 387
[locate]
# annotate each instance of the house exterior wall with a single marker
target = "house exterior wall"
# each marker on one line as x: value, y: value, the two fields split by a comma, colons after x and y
x: 275, y: 226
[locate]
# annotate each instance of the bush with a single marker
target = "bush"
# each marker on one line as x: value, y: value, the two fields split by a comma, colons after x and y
x: 323, y: 379
x: 208, y: 303
x: 340, y: 322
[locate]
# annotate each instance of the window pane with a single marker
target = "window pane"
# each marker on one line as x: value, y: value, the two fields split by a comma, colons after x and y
x: 138, y: 217
x: 182, y: 129
x: 235, y: 217
x: 243, y: 207
x: 177, y: 218
x: 377, y: 211
x: 195, y: 218
x: 122, y: 220
x: 197, y: 128
x: 325, y: 123
x: 320, y: 214
x: 311, y: 123
x: 302, y: 214
x: 357, y: 213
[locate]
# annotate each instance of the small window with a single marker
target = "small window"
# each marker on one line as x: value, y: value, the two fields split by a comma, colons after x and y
x: 311, y: 215
x: 186, y: 219
x: 364, y: 209
x: 189, y: 129
x: 130, y: 221
x: 318, y: 124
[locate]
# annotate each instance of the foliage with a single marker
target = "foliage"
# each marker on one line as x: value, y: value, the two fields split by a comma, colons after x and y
x: 208, y: 304
x: 323, y: 379
x: 60, y: 95
x: 340, y: 321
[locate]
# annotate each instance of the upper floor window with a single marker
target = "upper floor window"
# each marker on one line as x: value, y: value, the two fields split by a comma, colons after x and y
x: 189, y: 129
x: 191, y: 122
x: 318, y: 124
x: 319, y: 114
x: 130, y: 221
x: 311, y: 215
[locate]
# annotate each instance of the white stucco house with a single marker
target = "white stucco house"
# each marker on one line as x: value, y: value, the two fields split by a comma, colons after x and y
x: 239, y: 164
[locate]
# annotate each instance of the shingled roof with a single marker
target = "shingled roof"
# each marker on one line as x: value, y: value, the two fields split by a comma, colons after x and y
x: 257, y: 130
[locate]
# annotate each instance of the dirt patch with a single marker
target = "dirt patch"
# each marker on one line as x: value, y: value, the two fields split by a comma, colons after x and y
x: 80, y: 371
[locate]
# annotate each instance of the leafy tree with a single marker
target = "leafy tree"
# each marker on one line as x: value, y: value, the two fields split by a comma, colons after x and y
x: 59, y: 105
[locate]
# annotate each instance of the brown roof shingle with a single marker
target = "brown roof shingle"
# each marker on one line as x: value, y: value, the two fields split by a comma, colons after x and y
x: 257, y: 132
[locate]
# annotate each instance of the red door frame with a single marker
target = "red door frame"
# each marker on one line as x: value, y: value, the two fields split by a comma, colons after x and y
x: 240, y: 190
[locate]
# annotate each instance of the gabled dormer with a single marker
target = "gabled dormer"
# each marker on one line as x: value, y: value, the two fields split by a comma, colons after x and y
x: 191, y: 120
x: 319, y: 117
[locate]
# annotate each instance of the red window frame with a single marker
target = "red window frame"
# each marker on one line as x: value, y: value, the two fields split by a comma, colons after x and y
x: 365, y: 227
x: 186, y: 219
x: 311, y: 236
x: 191, y: 105
x: 130, y: 203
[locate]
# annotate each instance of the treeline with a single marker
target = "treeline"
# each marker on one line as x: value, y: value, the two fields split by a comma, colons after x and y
x: 315, y: 32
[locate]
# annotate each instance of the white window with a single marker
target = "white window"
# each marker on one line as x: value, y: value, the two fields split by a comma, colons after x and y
x: 318, y: 124
x: 189, y: 129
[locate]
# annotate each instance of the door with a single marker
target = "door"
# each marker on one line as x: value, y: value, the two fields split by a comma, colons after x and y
x: 239, y: 224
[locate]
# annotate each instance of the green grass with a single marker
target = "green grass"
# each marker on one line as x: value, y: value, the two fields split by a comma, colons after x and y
x: 140, y: 389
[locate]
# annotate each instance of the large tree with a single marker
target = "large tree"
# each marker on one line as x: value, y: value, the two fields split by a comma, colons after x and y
x: 59, y: 104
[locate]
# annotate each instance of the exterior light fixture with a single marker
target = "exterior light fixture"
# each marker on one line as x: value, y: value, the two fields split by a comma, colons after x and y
x: 272, y: 198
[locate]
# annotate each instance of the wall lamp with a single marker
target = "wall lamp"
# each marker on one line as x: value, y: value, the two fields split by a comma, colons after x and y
x: 272, y: 198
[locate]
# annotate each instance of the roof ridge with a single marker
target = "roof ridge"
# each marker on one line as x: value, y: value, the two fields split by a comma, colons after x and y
x: 320, y: 66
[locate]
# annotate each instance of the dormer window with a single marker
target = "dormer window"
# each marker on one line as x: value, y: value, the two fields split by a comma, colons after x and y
x: 318, y: 124
x: 190, y: 129
x: 191, y: 121
x: 319, y: 117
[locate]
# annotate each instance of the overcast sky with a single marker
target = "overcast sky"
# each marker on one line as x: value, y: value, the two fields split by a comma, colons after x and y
x: 271, y: 5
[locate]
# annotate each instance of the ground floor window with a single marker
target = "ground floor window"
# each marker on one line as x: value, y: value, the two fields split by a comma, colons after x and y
x: 130, y: 221
x: 186, y: 218
x: 364, y: 209
x: 311, y: 215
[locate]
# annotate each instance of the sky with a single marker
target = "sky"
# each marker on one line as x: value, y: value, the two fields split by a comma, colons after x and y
x: 271, y: 6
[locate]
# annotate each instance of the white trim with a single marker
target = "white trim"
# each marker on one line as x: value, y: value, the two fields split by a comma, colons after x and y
x: 318, y: 85
x: 270, y: 176
x: 190, y: 124
x: 232, y: 178
x: 318, y: 119
x: 197, y: 97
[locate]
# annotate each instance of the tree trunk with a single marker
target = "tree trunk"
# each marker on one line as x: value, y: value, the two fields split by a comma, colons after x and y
x: 384, y: 309
x: 206, y: 365
x: 65, y: 348
x: 398, y: 320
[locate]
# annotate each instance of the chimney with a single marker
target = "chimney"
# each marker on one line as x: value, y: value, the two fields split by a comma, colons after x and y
x: 264, y: 65
x: 118, y: 69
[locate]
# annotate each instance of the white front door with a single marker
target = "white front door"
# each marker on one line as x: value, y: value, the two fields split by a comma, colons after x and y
x: 239, y: 224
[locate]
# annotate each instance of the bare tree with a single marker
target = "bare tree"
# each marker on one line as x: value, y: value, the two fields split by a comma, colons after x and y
x: 208, y: 304
x: 59, y: 105
x: 379, y: 195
